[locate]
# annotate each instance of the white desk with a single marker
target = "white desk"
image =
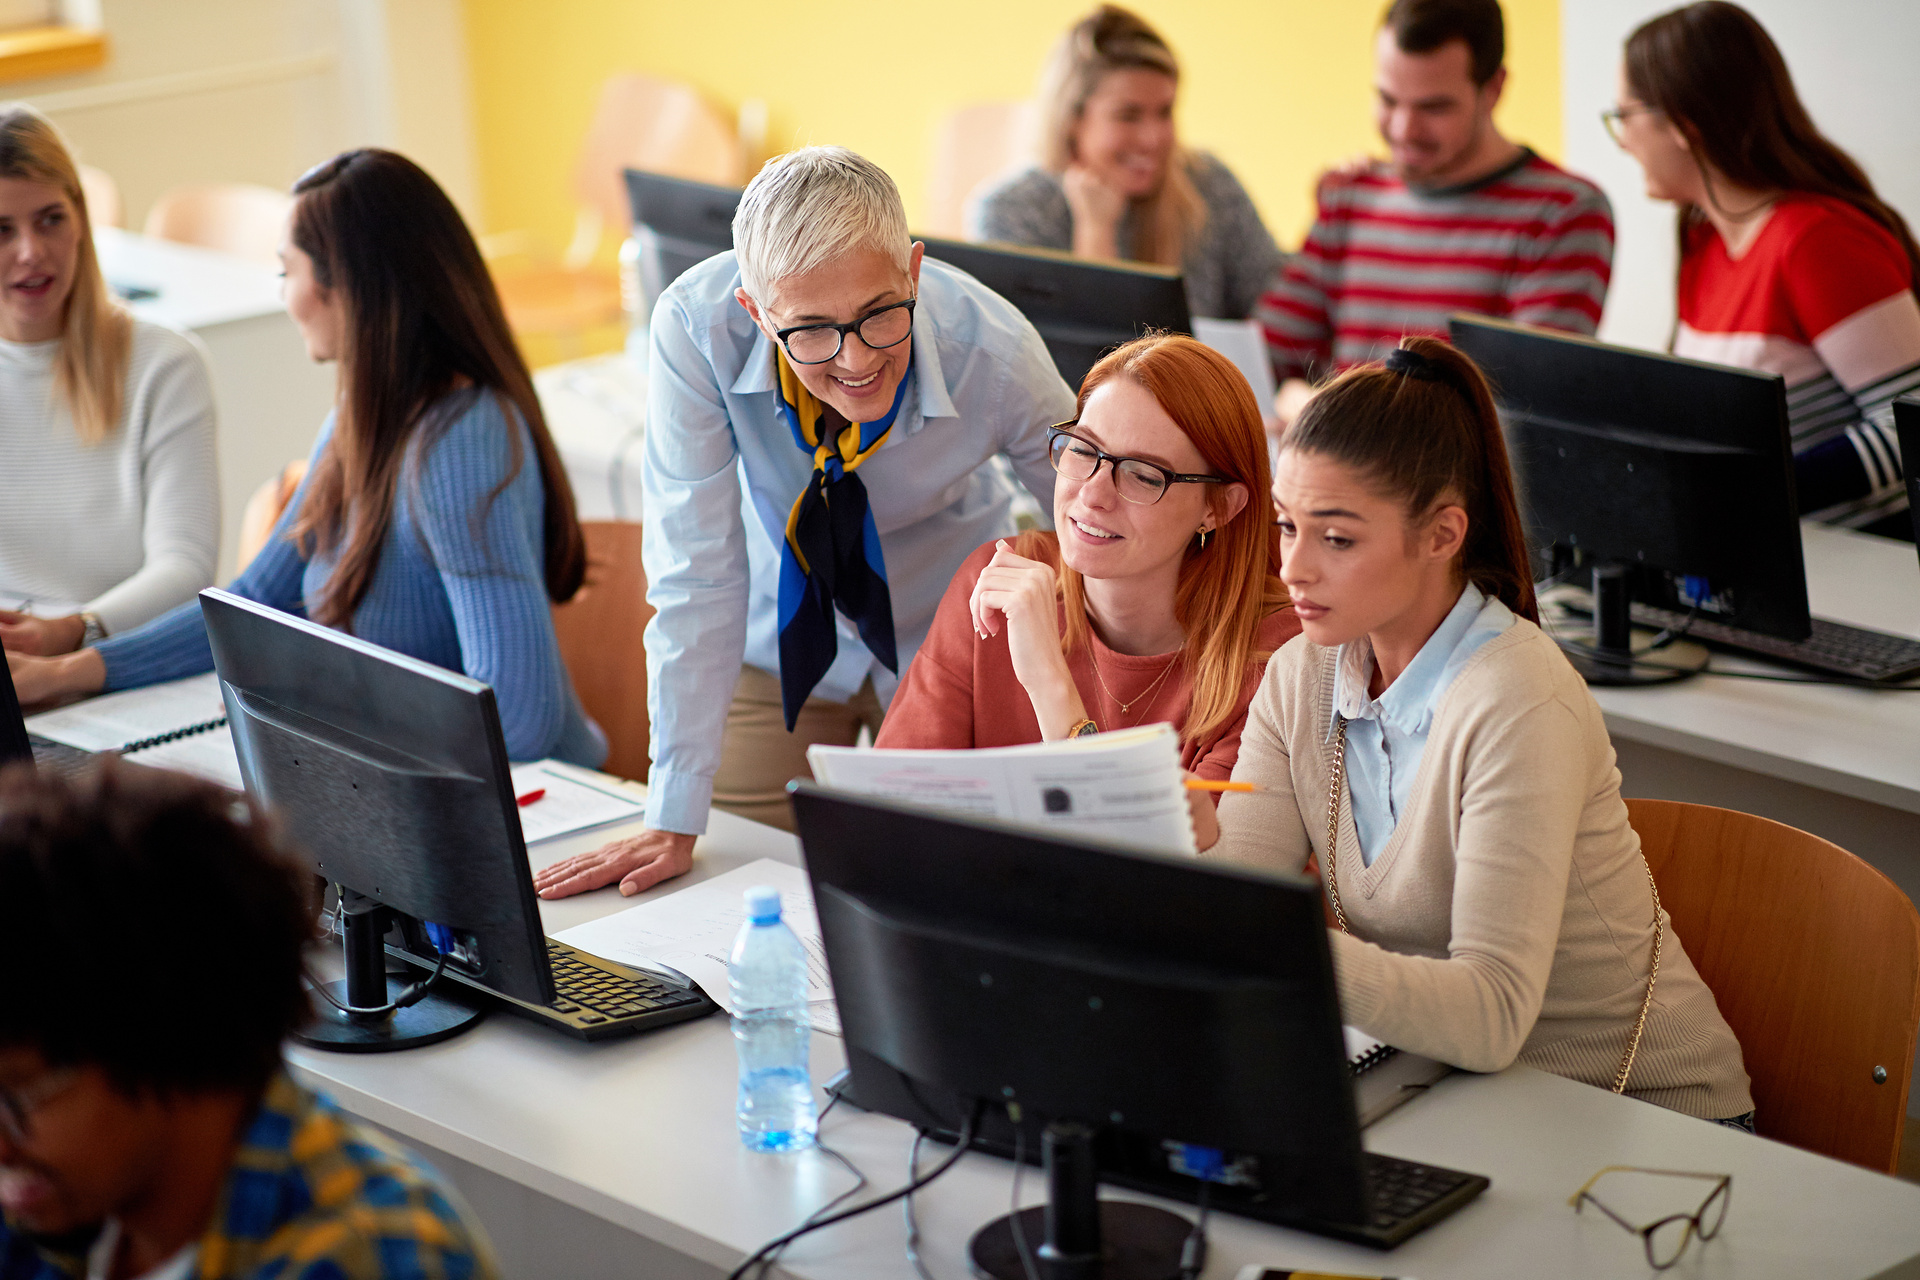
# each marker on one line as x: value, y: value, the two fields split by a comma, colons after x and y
x: 269, y: 396
x: 596, y: 410
x: 591, y: 1161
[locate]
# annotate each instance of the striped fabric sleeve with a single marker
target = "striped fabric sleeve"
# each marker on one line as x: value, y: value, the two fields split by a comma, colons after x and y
x: 1874, y: 354
x: 1293, y: 312
x: 1565, y: 286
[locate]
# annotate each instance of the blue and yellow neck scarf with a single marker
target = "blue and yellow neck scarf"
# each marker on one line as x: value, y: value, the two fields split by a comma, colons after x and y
x: 832, y: 554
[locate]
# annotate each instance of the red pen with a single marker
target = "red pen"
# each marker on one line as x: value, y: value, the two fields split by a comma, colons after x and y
x: 530, y: 797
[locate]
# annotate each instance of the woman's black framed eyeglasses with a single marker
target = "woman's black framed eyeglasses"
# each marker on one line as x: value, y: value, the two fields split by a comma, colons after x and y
x: 883, y: 327
x: 1667, y: 1239
x: 1135, y: 479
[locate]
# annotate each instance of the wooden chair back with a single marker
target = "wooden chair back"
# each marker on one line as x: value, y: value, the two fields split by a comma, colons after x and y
x: 662, y: 126
x: 103, y: 197
x: 233, y: 217
x: 599, y: 633
x: 972, y: 146
x: 1814, y: 959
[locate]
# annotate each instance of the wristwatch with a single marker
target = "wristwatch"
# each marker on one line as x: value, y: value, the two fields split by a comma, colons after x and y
x: 93, y: 631
x: 1083, y: 729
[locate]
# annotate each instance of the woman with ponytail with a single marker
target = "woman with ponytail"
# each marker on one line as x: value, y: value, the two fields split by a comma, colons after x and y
x: 1158, y: 599
x: 1427, y: 742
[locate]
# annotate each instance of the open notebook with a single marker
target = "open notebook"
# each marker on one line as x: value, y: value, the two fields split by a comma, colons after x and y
x: 178, y: 725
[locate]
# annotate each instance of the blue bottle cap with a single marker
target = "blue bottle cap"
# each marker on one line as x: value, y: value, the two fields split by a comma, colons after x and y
x: 763, y: 904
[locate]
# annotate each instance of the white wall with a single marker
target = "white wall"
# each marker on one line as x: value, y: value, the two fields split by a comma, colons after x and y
x: 259, y: 90
x: 1857, y: 66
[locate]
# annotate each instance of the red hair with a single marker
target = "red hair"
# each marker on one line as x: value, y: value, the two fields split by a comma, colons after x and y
x: 1230, y: 585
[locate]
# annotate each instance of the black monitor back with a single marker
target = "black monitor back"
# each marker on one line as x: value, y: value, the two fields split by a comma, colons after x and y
x: 1680, y: 469
x: 1082, y: 309
x: 677, y: 224
x: 391, y: 775
x: 14, y: 744
x: 1906, y: 424
x: 1157, y: 1000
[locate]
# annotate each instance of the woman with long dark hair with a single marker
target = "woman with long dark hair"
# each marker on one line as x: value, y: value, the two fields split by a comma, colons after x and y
x: 1790, y: 262
x: 435, y: 518
x: 1433, y: 748
x: 1157, y: 599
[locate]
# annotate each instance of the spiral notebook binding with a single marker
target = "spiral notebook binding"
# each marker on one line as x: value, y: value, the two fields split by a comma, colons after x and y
x: 174, y: 735
x: 1370, y: 1059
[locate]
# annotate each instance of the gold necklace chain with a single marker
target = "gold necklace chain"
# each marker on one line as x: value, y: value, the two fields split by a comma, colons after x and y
x: 1126, y: 707
x: 1339, y: 914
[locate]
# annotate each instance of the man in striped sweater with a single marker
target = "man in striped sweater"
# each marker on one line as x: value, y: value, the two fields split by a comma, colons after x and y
x: 1460, y: 218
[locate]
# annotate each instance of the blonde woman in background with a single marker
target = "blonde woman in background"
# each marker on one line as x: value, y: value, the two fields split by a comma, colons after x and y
x: 1114, y: 182
x: 109, y: 497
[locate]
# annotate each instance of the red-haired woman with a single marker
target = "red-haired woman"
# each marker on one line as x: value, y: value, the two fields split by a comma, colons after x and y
x: 1158, y: 599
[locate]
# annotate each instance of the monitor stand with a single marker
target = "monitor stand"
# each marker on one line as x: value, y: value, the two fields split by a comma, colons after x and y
x: 1609, y: 658
x: 433, y: 1016
x: 1077, y: 1235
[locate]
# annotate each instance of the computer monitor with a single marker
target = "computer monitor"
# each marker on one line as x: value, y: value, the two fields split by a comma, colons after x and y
x: 14, y: 742
x: 391, y: 775
x: 1082, y: 309
x: 1151, y: 1019
x: 1906, y: 424
x: 676, y: 225
x: 1671, y: 479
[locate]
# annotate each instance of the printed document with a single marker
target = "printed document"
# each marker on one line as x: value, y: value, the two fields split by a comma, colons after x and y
x: 693, y: 930
x: 569, y: 803
x: 112, y: 720
x: 1124, y: 788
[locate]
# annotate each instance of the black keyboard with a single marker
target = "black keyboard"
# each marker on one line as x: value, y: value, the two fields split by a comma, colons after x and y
x: 598, y: 999
x: 59, y: 758
x: 1854, y: 652
x: 1405, y: 1199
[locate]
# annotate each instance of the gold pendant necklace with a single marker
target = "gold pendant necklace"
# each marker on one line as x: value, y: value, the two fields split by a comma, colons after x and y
x: 1126, y: 707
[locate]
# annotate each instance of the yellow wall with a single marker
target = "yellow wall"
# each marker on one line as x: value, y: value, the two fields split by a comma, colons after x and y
x: 1279, y: 89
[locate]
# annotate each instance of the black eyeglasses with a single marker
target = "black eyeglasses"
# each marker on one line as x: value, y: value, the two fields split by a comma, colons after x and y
x: 1614, y: 119
x: 880, y: 328
x: 1667, y: 1239
x: 1135, y: 479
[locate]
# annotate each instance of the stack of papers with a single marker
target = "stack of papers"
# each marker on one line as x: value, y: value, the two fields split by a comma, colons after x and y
x: 572, y: 800
x: 693, y: 930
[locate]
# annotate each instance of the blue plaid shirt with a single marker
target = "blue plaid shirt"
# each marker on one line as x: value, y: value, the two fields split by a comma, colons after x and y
x: 311, y: 1196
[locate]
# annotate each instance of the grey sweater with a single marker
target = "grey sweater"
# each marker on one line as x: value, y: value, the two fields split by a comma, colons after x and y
x: 1226, y: 268
x: 1508, y: 916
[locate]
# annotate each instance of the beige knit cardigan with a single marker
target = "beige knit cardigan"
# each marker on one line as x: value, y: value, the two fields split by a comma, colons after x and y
x: 1508, y: 917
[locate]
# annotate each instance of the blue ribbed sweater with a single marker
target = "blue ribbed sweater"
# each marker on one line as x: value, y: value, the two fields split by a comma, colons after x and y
x: 439, y: 593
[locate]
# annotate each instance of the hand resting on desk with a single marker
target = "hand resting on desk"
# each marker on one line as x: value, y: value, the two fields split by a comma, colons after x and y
x: 38, y: 680
x: 638, y: 863
x: 25, y: 633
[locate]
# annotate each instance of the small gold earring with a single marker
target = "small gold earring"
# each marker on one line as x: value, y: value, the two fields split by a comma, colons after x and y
x: 1205, y: 532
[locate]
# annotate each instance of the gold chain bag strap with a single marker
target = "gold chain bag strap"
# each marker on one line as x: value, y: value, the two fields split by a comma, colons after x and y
x: 1339, y: 913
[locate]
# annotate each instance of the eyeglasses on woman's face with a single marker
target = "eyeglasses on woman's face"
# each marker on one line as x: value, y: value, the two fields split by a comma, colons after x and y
x: 1135, y: 479
x: 1615, y: 119
x: 817, y: 343
x: 1667, y: 1238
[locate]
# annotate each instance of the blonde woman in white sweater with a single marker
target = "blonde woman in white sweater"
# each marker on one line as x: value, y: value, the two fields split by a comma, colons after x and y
x: 1492, y: 901
x: 109, y: 498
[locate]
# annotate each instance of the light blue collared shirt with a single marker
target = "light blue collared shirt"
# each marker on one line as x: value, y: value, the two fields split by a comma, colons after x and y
x: 1386, y: 736
x: 720, y: 472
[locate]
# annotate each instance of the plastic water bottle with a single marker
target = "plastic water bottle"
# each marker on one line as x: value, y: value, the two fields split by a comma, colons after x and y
x: 767, y: 973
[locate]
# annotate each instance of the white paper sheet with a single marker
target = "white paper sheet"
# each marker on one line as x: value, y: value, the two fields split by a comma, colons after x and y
x: 1125, y: 787
x: 694, y: 930
x: 1242, y: 342
x: 569, y: 804
x: 112, y: 720
x: 208, y: 755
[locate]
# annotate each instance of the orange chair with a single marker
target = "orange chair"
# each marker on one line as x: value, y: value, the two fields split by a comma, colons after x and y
x: 599, y: 633
x: 1814, y: 959
x: 103, y: 197
x: 972, y: 146
x: 233, y: 217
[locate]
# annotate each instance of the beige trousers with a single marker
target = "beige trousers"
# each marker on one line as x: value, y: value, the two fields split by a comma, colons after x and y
x: 759, y: 757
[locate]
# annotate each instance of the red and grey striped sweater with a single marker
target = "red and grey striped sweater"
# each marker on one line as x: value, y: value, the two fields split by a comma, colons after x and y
x: 1530, y: 243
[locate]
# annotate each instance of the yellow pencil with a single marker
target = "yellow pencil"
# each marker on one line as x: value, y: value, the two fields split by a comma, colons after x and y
x: 1207, y: 784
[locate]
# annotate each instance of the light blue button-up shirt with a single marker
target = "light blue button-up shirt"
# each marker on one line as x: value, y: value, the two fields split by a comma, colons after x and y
x: 720, y: 473
x: 1386, y: 736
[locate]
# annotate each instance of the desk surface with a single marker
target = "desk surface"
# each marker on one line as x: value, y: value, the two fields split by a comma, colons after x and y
x: 1857, y: 742
x: 196, y: 288
x: 640, y: 1132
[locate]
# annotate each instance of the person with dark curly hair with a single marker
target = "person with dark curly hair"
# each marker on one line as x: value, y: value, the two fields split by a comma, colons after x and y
x: 151, y: 930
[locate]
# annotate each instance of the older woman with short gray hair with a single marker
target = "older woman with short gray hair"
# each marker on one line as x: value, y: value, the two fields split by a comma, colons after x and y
x: 822, y: 414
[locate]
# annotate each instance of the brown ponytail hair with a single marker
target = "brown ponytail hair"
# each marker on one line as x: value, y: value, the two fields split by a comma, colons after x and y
x: 1714, y: 72
x: 1422, y: 429
x: 1232, y: 582
x: 422, y: 322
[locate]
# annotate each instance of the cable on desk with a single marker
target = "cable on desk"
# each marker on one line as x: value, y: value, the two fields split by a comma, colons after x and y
x: 1193, y: 1254
x: 906, y: 1209
x: 1020, y: 1244
x: 812, y: 1219
x: 773, y: 1246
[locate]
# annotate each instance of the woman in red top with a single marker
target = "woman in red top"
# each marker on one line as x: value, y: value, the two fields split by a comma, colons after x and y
x: 1789, y: 261
x: 1159, y: 598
